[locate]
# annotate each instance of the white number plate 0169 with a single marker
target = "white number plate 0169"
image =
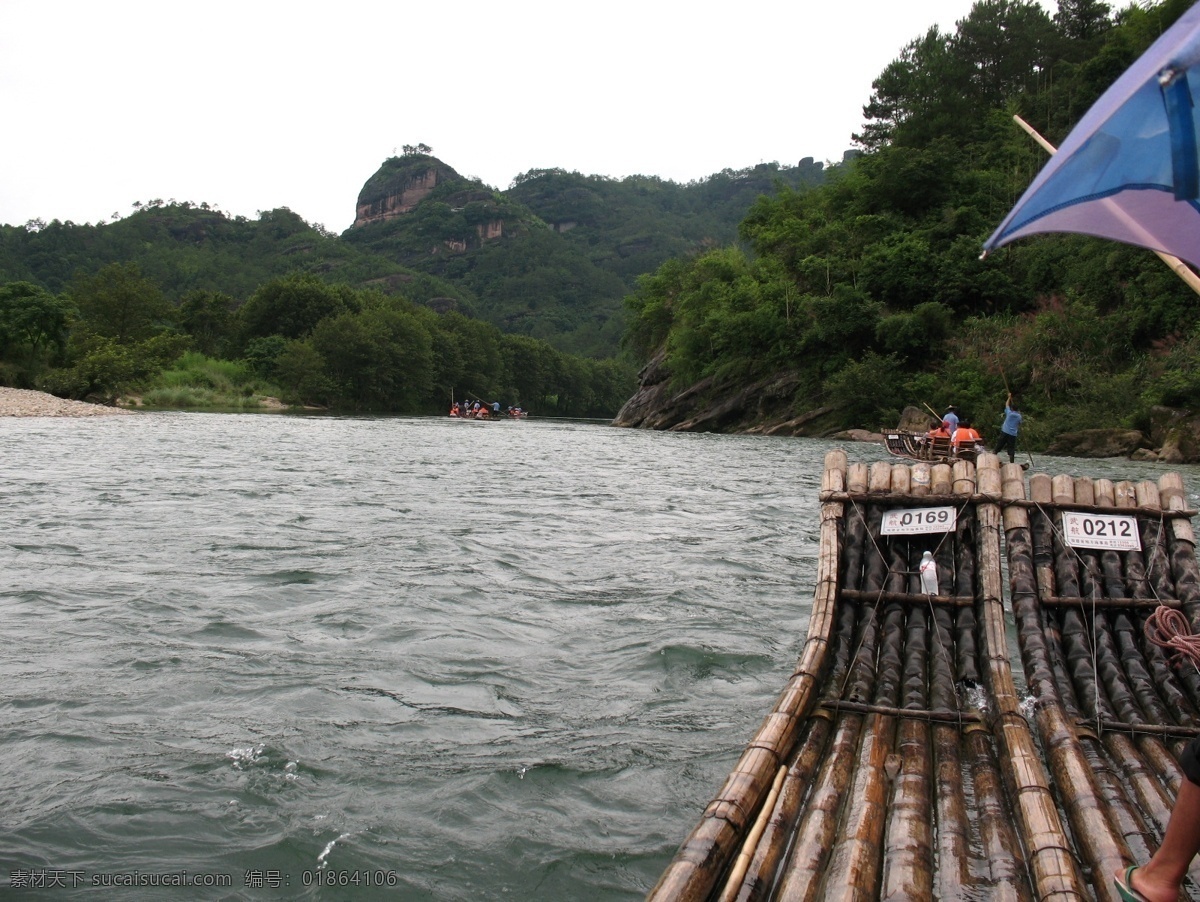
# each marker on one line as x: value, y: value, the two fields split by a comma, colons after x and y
x: 913, y: 520
x: 1118, y: 532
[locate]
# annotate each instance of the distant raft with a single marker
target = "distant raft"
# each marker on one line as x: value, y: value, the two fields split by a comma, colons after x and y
x: 901, y: 761
x: 934, y: 446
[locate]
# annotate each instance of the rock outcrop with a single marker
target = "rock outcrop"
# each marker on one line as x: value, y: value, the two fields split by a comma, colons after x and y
x: 388, y: 206
x: 766, y: 406
x: 1099, y: 443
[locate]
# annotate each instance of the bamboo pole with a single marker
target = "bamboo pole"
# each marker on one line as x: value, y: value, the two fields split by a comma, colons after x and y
x: 1088, y: 796
x: 1048, y: 849
x: 743, y: 860
x: 953, y: 658
x: 865, y: 569
x: 915, y: 598
x: 801, y: 879
x: 909, y: 835
x: 1180, y: 691
x: 1002, y: 852
x: 803, y: 873
x: 854, y: 866
x: 768, y: 852
x: 1181, y: 542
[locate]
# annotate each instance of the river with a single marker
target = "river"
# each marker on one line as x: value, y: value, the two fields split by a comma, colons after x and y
x: 306, y: 657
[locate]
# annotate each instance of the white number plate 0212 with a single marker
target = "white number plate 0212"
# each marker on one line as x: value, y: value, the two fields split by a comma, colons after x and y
x: 1117, y: 532
x: 914, y: 520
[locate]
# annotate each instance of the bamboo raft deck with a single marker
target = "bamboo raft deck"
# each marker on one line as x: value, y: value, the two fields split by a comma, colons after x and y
x: 901, y: 761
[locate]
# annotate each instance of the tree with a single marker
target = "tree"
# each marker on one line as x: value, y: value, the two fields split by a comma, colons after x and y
x: 380, y: 357
x: 300, y: 371
x: 32, y: 320
x: 207, y: 316
x: 1002, y: 44
x: 118, y: 303
x: 911, y: 89
x: 1082, y: 20
x: 292, y: 306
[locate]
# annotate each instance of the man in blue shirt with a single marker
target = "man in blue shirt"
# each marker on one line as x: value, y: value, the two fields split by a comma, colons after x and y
x: 950, y: 421
x: 1008, y: 430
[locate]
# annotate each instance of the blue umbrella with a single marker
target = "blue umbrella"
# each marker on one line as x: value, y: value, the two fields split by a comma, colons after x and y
x: 1130, y: 170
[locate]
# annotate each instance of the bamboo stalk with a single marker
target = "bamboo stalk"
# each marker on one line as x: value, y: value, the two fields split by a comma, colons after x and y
x: 1090, y: 807
x: 1142, y: 729
x: 1076, y: 601
x: 954, y: 658
x: 760, y: 876
x: 1001, y: 846
x: 803, y: 873
x: 805, y: 870
x: 742, y: 863
x: 932, y: 715
x: 941, y: 479
x: 854, y: 864
x: 1051, y: 862
x: 1181, y: 544
x: 909, y: 849
x: 914, y: 598
x: 920, y: 478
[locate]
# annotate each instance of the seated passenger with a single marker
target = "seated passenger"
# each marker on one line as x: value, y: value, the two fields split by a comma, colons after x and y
x: 966, y: 438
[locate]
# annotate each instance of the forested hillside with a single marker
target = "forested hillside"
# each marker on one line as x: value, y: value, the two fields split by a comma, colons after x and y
x: 853, y: 299
x: 443, y: 285
x: 553, y: 256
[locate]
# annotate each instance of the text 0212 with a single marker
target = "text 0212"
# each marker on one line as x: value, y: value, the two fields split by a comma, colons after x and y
x: 1109, y: 531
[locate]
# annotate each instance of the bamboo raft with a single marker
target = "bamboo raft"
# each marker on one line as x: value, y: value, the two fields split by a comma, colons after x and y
x: 901, y: 761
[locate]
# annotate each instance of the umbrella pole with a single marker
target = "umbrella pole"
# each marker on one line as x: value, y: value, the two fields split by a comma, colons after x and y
x: 1177, y: 266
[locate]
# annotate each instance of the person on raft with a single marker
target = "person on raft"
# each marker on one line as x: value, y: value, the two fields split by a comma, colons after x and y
x: 950, y: 420
x: 966, y: 437
x: 1161, y: 877
x: 1008, y: 430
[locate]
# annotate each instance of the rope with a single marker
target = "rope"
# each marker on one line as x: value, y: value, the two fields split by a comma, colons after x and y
x: 1168, y: 628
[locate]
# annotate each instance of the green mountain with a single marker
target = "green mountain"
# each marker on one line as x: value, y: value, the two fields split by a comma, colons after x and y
x: 550, y: 258
x: 554, y: 255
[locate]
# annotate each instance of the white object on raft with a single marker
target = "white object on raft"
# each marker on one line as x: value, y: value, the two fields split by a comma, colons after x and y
x: 929, y: 579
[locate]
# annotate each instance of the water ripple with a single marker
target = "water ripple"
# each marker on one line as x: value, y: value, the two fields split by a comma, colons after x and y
x: 515, y: 659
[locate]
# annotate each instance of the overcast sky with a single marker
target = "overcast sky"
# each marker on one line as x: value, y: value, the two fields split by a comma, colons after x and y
x: 258, y: 104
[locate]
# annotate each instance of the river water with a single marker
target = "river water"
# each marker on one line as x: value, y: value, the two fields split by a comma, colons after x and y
x: 265, y: 655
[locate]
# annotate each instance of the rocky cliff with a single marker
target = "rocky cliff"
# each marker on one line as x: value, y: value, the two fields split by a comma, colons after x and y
x: 402, y: 198
x: 402, y: 184
x: 766, y: 407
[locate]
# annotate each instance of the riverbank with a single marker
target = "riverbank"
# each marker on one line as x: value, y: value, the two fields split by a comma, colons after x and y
x: 21, y: 402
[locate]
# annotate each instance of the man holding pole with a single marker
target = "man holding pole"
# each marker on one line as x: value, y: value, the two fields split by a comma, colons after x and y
x: 1008, y: 430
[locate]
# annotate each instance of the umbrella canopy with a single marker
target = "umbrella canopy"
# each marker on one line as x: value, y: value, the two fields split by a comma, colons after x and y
x: 1129, y: 170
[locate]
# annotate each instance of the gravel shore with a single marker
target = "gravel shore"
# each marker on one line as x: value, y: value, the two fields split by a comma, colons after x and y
x: 20, y: 402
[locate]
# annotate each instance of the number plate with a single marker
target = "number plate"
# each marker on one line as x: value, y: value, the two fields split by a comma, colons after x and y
x: 1118, y: 532
x: 914, y: 520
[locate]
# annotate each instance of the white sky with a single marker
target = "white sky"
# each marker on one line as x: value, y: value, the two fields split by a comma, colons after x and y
x: 258, y: 104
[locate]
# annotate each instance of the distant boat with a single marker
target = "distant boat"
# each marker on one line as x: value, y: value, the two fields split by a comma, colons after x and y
x: 487, y: 415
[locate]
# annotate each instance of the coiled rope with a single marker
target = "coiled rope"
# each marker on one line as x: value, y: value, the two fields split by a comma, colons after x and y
x: 1168, y: 628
